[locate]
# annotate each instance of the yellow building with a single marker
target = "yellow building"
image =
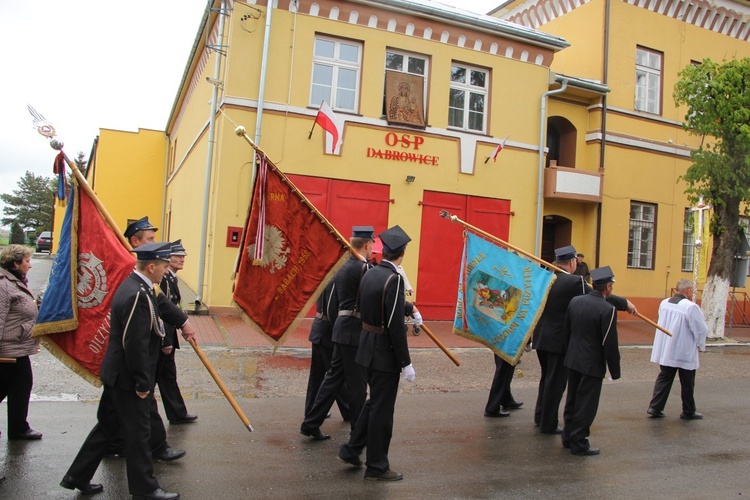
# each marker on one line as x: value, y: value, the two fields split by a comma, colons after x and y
x: 636, y: 49
x: 425, y: 94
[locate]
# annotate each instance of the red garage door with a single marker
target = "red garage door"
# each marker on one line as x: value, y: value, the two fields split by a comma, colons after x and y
x: 441, y: 246
x: 347, y: 203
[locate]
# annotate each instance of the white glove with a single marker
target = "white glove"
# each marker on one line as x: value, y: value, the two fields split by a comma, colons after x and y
x: 409, y: 373
x: 416, y: 318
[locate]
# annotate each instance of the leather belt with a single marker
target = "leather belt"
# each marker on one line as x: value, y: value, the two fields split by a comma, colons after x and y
x: 379, y: 330
x: 345, y: 312
x: 322, y: 316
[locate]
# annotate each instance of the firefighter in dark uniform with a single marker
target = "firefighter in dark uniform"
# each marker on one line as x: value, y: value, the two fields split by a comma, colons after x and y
x: 591, y: 341
x: 384, y: 352
x: 171, y: 397
x: 346, y: 333
x: 128, y: 373
x: 548, y: 340
x: 321, y: 338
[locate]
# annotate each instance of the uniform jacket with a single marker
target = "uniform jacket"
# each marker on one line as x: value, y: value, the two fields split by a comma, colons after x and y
x: 171, y: 289
x: 591, y: 336
x: 684, y: 320
x: 548, y: 334
x: 18, y: 312
x: 347, y: 326
x: 384, y: 306
x: 134, y: 340
x: 326, y: 309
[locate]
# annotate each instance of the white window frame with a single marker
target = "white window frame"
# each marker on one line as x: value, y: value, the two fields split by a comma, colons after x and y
x: 648, y: 75
x: 744, y: 223
x: 337, y: 65
x: 469, y: 89
x: 405, y: 69
x: 642, y: 235
x: 688, y: 241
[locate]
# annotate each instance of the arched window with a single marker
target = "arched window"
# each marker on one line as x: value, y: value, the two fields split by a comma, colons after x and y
x: 561, y: 142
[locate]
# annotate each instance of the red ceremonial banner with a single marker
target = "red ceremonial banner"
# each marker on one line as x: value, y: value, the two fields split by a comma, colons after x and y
x: 97, y: 264
x: 300, y: 254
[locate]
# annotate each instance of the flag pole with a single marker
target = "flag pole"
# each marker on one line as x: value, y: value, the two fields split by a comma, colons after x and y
x: 240, y: 131
x: 446, y: 215
x: 221, y: 385
x: 440, y: 344
x: 311, y: 130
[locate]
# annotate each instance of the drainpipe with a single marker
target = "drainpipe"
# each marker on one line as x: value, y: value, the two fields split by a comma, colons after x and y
x: 540, y: 183
x: 209, y: 159
x: 605, y: 76
x: 263, y: 71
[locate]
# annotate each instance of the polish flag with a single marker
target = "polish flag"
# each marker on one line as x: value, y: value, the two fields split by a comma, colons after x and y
x: 499, y: 148
x: 333, y: 127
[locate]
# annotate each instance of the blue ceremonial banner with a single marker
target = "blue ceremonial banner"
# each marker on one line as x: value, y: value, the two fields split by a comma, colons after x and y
x: 500, y: 297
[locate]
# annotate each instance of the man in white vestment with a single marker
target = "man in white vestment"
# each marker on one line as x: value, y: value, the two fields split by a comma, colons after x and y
x: 678, y: 354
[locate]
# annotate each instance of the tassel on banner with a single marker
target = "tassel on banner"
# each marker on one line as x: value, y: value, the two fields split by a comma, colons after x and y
x: 58, y: 168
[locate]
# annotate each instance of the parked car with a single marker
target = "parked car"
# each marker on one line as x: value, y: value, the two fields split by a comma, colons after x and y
x: 44, y: 242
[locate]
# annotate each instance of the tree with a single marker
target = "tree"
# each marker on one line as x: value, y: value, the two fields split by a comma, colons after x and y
x: 17, y: 236
x: 31, y: 204
x: 717, y: 97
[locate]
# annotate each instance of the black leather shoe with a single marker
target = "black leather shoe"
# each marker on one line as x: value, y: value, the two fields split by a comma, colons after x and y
x: 692, y: 416
x: 587, y: 452
x: 70, y: 483
x: 556, y: 431
x: 29, y: 435
x: 389, y: 475
x: 514, y: 405
x: 656, y: 413
x: 157, y: 494
x: 355, y: 461
x: 168, y: 454
x: 315, y: 434
x: 499, y: 414
x: 187, y: 419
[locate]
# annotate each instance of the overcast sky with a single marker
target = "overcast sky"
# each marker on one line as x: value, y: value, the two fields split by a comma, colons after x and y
x: 91, y: 64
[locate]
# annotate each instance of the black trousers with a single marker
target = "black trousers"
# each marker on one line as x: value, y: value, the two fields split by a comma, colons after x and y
x: 320, y: 363
x: 551, y: 388
x: 166, y: 378
x: 344, y: 370
x: 16, y: 380
x: 580, y: 409
x: 120, y: 411
x: 375, y: 425
x: 500, y: 394
x: 664, y: 384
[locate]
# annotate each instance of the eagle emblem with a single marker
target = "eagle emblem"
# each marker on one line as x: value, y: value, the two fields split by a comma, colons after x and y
x: 275, y: 250
x: 92, y: 281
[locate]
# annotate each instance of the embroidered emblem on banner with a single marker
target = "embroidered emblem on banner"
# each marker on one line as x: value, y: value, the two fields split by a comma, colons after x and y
x: 92, y: 281
x: 275, y: 249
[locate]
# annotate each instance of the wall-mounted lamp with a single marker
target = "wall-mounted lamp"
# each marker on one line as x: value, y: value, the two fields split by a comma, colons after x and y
x: 410, y: 178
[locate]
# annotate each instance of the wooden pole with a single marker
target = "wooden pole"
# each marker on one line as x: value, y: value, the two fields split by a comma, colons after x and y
x: 440, y: 344
x: 644, y: 318
x: 446, y: 215
x: 221, y: 385
x: 7, y: 360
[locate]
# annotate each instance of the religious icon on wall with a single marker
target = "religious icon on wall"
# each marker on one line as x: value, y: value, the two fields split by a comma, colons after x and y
x: 404, y: 96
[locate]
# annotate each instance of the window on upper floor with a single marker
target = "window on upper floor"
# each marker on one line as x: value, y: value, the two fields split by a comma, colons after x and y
x: 561, y: 142
x: 648, y: 71
x: 404, y: 98
x: 688, y: 241
x: 642, y: 235
x: 467, y: 104
x: 745, y: 225
x: 336, y: 73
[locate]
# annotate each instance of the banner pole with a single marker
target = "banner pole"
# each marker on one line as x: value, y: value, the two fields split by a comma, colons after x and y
x: 446, y: 215
x: 221, y: 385
x: 440, y: 344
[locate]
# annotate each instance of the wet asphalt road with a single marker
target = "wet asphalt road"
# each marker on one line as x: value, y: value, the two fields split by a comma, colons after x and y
x: 442, y: 443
